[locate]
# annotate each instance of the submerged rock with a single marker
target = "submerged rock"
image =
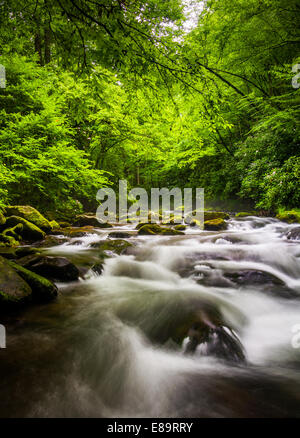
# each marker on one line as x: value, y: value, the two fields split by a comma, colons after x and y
x: 215, y: 225
x: 13, y: 289
x: 43, y: 290
x: 30, y: 214
x: 55, y: 268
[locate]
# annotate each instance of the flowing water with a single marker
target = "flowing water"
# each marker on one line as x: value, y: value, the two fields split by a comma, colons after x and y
x: 104, y: 348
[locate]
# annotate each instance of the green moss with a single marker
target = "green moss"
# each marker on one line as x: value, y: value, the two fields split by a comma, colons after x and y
x: 43, y: 290
x: 29, y: 232
x: 180, y: 227
x: 54, y: 225
x: 14, y: 232
x: 12, y: 286
x: 215, y: 225
x: 150, y: 229
x: 2, y: 219
x: 291, y: 217
x: 30, y: 214
x: 245, y: 214
x: 117, y: 246
x: 211, y: 215
x: 8, y: 240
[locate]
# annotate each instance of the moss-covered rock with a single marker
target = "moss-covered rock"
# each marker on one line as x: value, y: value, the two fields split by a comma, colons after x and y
x: 150, y: 229
x: 51, y: 240
x: 180, y: 227
x: 245, y: 214
x: 120, y: 235
x: 13, y: 289
x: 195, y: 223
x: 8, y: 240
x: 2, y: 219
x: 43, y: 290
x: 215, y: 225
x: 23, y: 251
x: 211, y: 215
x: 29, y: 230
x: 14, y: 232
x: 30, y: 214
x: 54, y: 225
x: 63, y: 224
x: 76, y: 232
x: 291, y: 217
x: 54, y: 268
x: 118, y: 246
x: 90, y: 219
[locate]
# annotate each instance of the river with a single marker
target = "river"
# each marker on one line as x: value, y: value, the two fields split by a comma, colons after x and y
x: 102, y: 349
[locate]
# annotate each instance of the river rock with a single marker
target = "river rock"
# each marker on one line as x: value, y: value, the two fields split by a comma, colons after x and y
x: 52, y: 240
x: 2, y: 219
x: 90, y: 219
x: 43, y: 290
x: 117, y: 246
x: 30, y: 214
x: 29, y: 230
x: 294, y: 234
x: 215, y: 225
x: 150, y: 229
x: 75, y: 232
x: 211, y: 215
x: 291, y: 217
x: 13, y: 289
x: 120, y: 235
x: 55, y: 268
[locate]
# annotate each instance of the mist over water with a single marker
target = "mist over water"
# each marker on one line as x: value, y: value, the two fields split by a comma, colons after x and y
x: 108, y: 347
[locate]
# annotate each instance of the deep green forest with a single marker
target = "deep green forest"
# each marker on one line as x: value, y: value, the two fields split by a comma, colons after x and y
x: 117, y: 89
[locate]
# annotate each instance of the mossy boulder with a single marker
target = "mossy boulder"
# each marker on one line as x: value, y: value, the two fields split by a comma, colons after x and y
x: 90, y: 219
x: 118, y: 246
x: 30, y: 231
x: 2, y: 219
x: 141, y: 224
x: 291, y: 217
x: 150, y: 229
x: 120, y: 235
x: 215, y: 225
x: 13, y: 289
x: 14, y: 232
x: 51, y: 241
x: 180, y: 227
x: 30, y: 214
x: 63, y: 224
x: 8, y: 240
x: 242, y: 214
x: 54, y: 268
x: 76, y: 232
x: 43, y: 290
x: 23, y: 251
x: 54, y: 225
x: 211, y: 215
